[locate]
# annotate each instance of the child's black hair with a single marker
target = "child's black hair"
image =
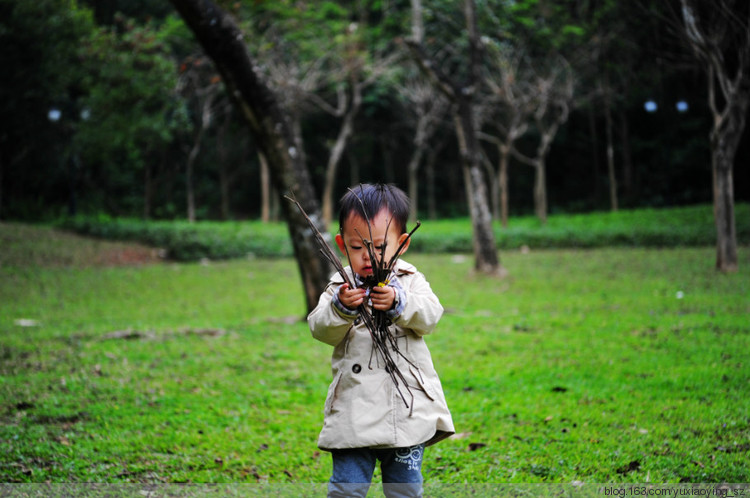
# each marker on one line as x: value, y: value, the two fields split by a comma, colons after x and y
x: 367, y: 200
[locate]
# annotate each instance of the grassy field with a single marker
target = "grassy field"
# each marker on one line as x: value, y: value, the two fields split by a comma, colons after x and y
x: 606, y: 365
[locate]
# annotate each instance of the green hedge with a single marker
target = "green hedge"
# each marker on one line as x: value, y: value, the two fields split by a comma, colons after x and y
x: 185, y: 241
x: 182, y: 241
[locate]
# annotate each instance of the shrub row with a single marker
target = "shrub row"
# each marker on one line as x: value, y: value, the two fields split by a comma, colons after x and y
x: 182, y: 241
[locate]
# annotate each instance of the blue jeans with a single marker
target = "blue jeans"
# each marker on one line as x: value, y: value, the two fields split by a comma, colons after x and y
x: 353, y: 468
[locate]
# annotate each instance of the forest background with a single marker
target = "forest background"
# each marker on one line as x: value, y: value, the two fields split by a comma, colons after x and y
x: 111, y: 107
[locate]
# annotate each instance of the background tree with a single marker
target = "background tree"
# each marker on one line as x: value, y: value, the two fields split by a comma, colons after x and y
x: 134, y: 111
x: 223, y: 42
x: 719, y: 36
x: 39, y: 58
x: 462, y: 95
x: 553, y: 87
x: 511, y: 98
x: 427, y: 108
x: 201, y: 87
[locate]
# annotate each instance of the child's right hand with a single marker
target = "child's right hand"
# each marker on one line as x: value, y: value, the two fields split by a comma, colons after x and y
x: 351, y: 298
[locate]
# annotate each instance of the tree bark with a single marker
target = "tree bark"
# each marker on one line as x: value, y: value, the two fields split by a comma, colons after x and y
x: 416, y: 158
x: 502, y: 182
x: 224, y: 175
x: 337, y: 151
x: 265, y: 189
x: 720, y: 38
x: 485, y: 249
x: 222, y: 40
x: 540, y: 189
x: 486, y: 259
x: 613, y: 201
x: 190, y: 193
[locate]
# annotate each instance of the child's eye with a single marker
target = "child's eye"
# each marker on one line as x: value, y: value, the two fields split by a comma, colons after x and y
x: 355, y: 248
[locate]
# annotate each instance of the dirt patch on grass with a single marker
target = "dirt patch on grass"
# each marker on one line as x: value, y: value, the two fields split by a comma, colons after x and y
x: 128, y: 255
x: 44, y: 246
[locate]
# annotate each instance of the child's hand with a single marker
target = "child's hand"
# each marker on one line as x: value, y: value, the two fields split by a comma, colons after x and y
x: 382, y: 297
x: 351, y: 298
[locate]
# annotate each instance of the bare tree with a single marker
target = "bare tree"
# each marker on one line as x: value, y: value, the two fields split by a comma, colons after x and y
x: 512, y: 99
x: 718, y: 33
x: 462, y: 95
x: 428, y: 107
x: 553, y: 100
x: 200, y: 85
x: 356, y: 75
x: 222, y: 40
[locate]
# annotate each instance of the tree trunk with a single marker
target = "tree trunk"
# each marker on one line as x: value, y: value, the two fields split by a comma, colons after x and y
x: 540, y: 189
x: 353, y: 168
x: 429, y: 167
x: 502, y: 182
x: 720, y: 38
x: 194, y: 150
x: 485, y: 249
x: 461, y: 95
x: 726, y: 236
x: 147, y: 191
x: 494, y: 188
x: 594, y: 152
x: 613, y: 201
x: 265, y: 189
x: 221, y: 149
x: 337, y: 152
x: 416, y: 158
x: 222, y: 40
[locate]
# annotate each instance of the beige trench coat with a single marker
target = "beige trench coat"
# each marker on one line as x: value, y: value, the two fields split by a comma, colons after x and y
x: 363, y: 407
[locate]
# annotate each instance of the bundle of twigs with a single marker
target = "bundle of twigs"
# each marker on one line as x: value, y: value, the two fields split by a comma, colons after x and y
x: 376, y: 321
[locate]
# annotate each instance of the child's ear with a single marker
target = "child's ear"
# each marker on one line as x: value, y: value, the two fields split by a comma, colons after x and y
x: 340, y: 243
x: 401, y: 239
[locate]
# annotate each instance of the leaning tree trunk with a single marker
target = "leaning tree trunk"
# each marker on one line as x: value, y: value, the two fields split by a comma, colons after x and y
x: 223, y: 41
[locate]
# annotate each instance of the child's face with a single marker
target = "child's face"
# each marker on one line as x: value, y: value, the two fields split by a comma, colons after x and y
x: 355, y: 229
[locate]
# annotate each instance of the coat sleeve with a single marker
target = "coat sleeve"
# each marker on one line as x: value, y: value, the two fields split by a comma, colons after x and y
x: 422, y: 310
x: 326, y: 323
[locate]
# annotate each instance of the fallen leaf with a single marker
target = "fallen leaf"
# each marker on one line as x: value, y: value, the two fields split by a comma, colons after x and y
x: 476, y: 446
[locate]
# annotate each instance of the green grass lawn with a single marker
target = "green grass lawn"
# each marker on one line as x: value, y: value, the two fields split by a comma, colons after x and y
x: 606, y: 365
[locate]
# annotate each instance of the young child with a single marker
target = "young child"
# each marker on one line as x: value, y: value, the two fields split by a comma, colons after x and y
x: 366, y: 418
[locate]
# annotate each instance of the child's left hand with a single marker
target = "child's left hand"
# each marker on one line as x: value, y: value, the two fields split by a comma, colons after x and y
x: 382, y: 298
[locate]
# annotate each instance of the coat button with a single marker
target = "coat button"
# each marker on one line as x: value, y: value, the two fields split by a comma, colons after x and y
x: 356, y: 368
